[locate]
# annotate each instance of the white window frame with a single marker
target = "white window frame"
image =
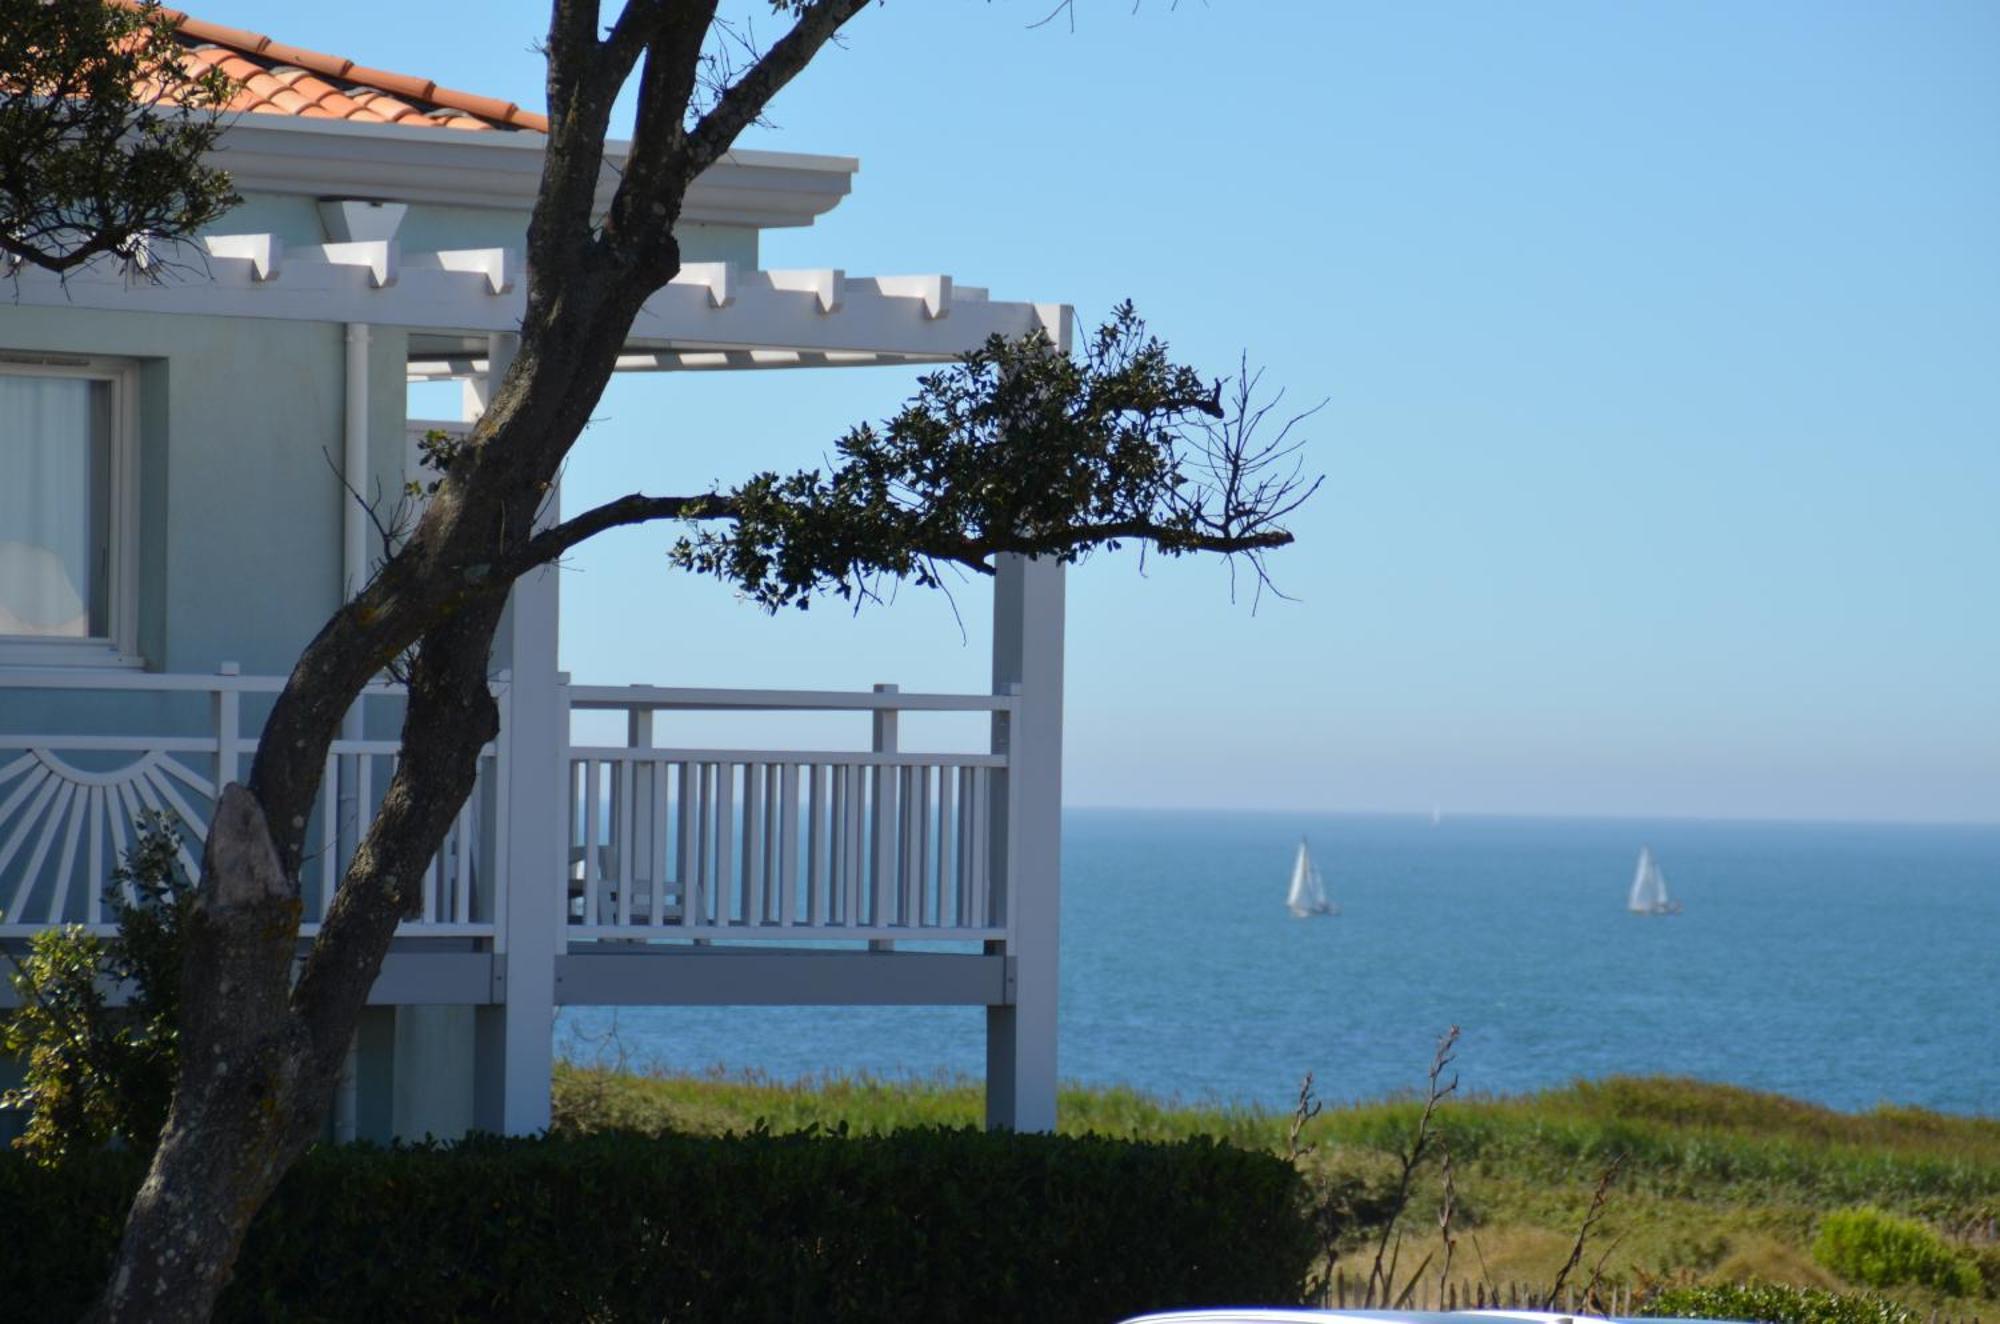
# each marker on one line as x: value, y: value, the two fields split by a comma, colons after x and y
x: 119, y: 647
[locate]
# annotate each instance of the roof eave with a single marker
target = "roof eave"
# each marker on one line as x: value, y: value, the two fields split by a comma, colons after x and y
x: 394, y: 162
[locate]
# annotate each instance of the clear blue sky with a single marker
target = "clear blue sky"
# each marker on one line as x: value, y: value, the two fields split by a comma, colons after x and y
x: 1661, y: 346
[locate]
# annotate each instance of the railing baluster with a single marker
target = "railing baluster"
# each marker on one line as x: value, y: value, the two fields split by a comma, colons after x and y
x: 725, y: 825
x: 816, y: 838
x: 656, y: 853
x: 753, y: 841
x: 837, y: 817
x: 968, y: 807
x: 857, y: 847
x: 928, y: 908
x: 982, y: 834
x: 767, y: 901
x: 593, y: 908
x: 687, y: 834
x: 465, y: 841
x: 624, y: 827
x: 947, y: 811
x: 788, y: 844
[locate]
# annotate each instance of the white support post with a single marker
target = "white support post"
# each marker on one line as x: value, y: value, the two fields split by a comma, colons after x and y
x: 346, y: 833
x: 1027, y: 841
x: 516, y: 1036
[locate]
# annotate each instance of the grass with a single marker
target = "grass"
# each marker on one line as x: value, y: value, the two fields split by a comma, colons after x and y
x: 1719, y: 1183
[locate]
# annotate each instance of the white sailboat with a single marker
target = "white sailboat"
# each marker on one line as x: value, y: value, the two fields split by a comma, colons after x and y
x: 1649, y: 889
x: 1308, y: 891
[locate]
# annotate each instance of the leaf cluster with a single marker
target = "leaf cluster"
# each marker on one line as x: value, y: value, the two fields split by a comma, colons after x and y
x: 103, y: 132
x: 95, y: 1071
x: 1018, y: 447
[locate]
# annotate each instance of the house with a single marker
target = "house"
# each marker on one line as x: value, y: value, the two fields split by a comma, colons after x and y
x: 176, y: 461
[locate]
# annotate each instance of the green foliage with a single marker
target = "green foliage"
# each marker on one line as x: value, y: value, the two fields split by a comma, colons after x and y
x: 97, y: 1072
x: 931, y: 1224
x: 1775, y: 1304
x: 1018, y: 447
x: 102, y: 132
x: 1986, y: 1260
x: 1689, y: 1139
x: 1876, y: 1249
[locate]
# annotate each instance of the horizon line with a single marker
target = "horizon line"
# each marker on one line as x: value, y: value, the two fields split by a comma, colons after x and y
x: 1545, y: 815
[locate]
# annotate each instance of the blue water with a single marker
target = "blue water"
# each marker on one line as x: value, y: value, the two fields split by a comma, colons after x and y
x: 1847, y: 964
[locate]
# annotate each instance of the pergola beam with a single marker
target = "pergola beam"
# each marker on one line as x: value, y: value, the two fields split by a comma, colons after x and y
x: 713, y: 315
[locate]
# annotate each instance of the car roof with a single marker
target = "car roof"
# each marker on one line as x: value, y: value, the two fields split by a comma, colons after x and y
x: 1300, y: 1315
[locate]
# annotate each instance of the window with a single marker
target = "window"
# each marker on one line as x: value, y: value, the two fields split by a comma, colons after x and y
x: 65, y: 502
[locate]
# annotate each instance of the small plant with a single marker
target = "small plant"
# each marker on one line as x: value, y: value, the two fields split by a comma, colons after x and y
x: 1775, y: 1304
x: 1877, y: 1249
x: 96, y: 1072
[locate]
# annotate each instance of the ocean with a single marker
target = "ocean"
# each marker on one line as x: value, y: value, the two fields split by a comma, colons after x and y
x: 1847, y: 964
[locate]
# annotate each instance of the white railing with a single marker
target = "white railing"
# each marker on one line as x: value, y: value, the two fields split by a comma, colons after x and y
x: 75, y: 782
x: 746, y: 843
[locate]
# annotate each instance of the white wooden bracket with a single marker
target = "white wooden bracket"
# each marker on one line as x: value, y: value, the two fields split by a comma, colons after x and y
x: 718, y: 277
x: 935, y: 291
x: 829, y: 284
x: 380, y: 256
x: 264, y: 252
x: 498, y: 265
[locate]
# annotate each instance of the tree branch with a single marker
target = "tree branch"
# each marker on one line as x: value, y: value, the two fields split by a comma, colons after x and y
x: 636, y: 508
x: 744, y: 100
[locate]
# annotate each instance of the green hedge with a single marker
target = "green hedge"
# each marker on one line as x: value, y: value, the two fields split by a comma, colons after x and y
x: 936, y: 1225
x: 1775, y: 1304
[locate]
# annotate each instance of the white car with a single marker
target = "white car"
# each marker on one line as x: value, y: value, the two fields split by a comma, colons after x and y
x: 1299, y: 1315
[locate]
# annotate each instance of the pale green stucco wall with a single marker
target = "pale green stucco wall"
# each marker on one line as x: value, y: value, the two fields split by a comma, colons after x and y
x: 240, y: 503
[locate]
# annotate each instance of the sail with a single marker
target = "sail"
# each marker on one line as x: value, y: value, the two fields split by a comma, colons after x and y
x: 1307, y: 894
x: 1649, y: 888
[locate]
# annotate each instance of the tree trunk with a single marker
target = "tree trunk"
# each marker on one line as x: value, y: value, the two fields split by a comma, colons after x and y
x: 259, y: 1057
x: 226, y: 1139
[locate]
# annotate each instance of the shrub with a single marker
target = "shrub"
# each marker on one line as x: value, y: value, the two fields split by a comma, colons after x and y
x: 1775, y: 1304
x: 938, y: 1225
x: 1876, y: 1249
x: 97, y: 1072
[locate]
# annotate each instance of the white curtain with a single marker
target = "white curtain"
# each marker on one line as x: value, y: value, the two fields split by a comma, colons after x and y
x: 48, y: 452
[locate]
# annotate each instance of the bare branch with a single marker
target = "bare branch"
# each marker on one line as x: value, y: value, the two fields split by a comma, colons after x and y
x: 741, y: 104
x: 636, y: 508
x: 1436, y: 1091
x: 1591, y: 1218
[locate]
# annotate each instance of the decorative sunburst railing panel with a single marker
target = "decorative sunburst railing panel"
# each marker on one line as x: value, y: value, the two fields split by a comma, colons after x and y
x: 72, y: 800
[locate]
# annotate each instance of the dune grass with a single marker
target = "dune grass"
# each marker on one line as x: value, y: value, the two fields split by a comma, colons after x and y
x: 1718, y: 1183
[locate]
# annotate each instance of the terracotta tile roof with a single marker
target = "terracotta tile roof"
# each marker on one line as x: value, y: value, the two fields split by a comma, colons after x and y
x: 273, y: 78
